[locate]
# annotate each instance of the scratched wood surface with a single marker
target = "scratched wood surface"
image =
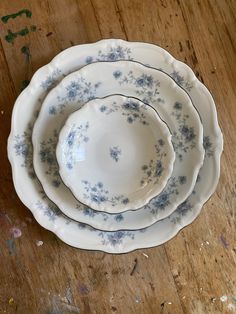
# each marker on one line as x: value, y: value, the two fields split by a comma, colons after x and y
x: 194, y: 272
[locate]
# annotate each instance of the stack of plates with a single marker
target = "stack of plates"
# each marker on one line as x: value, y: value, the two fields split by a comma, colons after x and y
x: 126, y: 146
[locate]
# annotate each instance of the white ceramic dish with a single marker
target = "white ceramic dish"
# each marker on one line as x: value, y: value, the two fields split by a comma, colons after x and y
x: 20, y: 149
x: 132, y: 79
x: 115, y: 153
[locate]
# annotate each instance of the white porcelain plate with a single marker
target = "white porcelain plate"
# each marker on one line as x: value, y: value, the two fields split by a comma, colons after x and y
x: 132, y: 79
x: 115, y: 153
x: 20, y: 148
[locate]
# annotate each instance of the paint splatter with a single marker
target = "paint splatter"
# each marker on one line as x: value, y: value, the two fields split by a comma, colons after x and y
x: 16, y: 232
x: 10, y: 37
x: 224, y: 241
x: 145, y: 255
x: 27, y: 13
x: 59, y: 307
x: 24, y: 84
x: 224, y: 298
x: 49, y: 34
x: 230, y: 307
x: 26, y: 51
x: 83, y: 289
x: 39, y: 243
x: 69, y: 295
x: 11, y: 301
x: 11, y: 246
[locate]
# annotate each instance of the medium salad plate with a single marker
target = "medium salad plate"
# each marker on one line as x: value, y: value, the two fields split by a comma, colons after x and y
x: 20, y: 150
x: 114, y: 153
x: 131, y: 79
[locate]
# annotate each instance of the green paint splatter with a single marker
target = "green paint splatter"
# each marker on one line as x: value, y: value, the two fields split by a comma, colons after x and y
x: 27, y: 13
x: 11, y: 246
x: 26, y: 51
x: 24, y: 84
x: 33, y: 28
x: 10, y: 37
x: 23, y: 32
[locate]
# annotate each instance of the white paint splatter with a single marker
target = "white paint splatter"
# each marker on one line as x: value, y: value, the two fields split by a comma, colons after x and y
x: 39, y: 243
x: 137, y: 299
x: 169, y: 303
x: 145, y: 255
x: 207, y: 243
x: 230, y: 307
x: 224, y: 298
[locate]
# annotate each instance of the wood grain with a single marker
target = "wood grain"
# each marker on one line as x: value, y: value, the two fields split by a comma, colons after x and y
x: 192, y: 273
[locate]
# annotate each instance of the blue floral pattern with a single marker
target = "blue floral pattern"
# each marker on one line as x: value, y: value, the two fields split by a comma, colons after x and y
x: 164, y: 198
x: 207, y: 144
x: 76, y: 137
x: 181, y: 211
x: 47, y: 156
x: 115, y: 238
x: 80, y: 89
x: 147, y: 86
x: 130, y: 109
x: 49, y: 210
x: 184, y: 140
x: 179, y: 79
x: 113, y: 54
x: 24, y: 149
x: 154, y: 169
x: 52, y: 80
x: 115, y: 153
x: 98, y: 194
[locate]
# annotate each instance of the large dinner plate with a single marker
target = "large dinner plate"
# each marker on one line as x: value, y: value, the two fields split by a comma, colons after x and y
x: 20, y: 150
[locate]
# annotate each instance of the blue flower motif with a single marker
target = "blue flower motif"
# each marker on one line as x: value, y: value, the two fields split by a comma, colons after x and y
x: 130, y: 119
x: 71, y: 138
x: 162, y: 201
x: 52, y: 110
x: 125, y: 201
x: 89, y: 59
x: 69, y: 165
x: 98, y: 198
x: 187, y: 132
x: 131, y: 105
x: 103, y: 108
x: 56, y: 183
x: 119, y: 218
x: 115, y: 153
x: 117, y: 74
x: 207, y: 144
x: 182, y: 179
x: 161, y: 142
x: 178, y: 105
x: 145, y: 80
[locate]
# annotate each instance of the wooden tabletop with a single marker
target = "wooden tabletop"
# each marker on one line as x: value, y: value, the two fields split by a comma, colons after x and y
x: 194, y: 272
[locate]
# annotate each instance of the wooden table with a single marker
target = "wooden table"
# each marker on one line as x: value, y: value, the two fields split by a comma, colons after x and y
x: 194, y: 272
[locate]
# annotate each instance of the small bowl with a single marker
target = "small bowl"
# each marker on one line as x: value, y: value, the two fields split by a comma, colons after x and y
x: 115, y: 154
